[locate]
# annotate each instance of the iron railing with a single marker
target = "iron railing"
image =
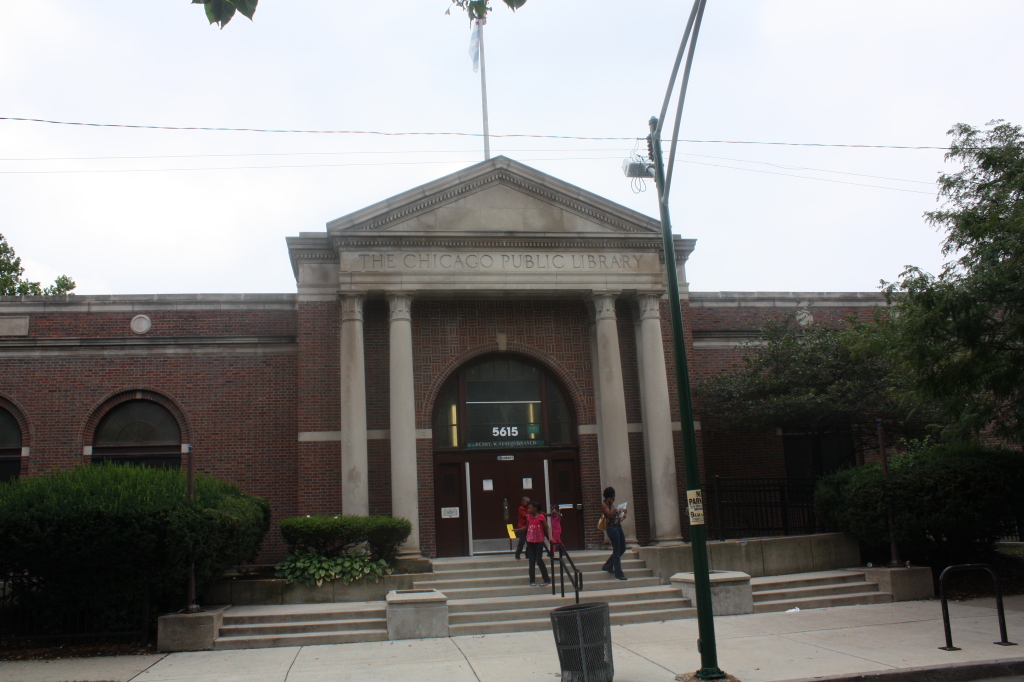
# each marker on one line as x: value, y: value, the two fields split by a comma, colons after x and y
x: 30, y: 612
x: 754, y: 507
x: 565, y: 565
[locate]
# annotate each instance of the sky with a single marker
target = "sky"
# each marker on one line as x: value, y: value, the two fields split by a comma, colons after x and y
x: 129, y: 211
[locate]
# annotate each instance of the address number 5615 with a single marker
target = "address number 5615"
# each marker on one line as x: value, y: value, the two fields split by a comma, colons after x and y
x: 505, y: 431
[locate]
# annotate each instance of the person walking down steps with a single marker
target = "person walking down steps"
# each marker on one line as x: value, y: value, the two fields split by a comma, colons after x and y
x: 521, y: 527
x: 612, y: 518
x: 536, y: 534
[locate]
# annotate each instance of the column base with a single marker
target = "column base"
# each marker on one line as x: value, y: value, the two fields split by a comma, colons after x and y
x: 667, y: 542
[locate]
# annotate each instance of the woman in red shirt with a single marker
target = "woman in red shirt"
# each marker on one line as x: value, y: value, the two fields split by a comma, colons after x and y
x: 536, y: 533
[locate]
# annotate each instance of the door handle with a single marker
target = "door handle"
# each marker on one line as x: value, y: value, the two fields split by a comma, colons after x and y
x: 505, y: 506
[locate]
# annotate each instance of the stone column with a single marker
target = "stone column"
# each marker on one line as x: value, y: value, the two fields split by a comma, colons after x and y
x: 404, y: 484
x: 659, y: 449
x: 614, y: 450
x: 355, y: 489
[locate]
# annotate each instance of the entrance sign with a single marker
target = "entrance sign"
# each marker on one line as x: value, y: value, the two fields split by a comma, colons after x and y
x: 537, y: 442
x: 449, y: 512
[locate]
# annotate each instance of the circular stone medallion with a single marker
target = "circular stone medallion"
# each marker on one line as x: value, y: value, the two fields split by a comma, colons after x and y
x: 141, y: 324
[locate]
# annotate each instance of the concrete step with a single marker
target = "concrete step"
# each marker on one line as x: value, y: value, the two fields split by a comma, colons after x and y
x: 778, y: 582
x: 303, y: 639
x: 253, y: 615
x: 509, y: 561
x: 518, y: 567
x: 300, y: 627
x: 815, y: 591
x: 824, y: 602
x: 548, y: 601
x: 516, y: 579
x: 524, y: 589
x: 538, y: 624
x: 544, y: 611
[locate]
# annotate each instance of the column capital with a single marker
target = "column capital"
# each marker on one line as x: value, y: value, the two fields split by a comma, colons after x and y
x: 352, y: 307
x: 400, y: 306
x: 603, y: 303
x: 649, y: 305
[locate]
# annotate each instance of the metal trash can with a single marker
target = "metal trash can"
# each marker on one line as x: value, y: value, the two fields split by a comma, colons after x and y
x: 583, y: 637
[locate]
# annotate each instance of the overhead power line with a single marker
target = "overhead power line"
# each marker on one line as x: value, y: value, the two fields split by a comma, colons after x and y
x: 454, y: 134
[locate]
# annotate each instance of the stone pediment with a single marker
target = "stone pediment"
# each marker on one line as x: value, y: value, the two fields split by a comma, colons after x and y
x: 498, y: 196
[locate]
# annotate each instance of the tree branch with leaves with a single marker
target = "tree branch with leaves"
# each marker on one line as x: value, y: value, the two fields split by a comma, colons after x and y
x: 13, y: 284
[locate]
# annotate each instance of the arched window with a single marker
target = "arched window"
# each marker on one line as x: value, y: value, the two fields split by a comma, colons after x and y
x: 10, y: 446
x: 138, y: 432
x: 502, y: 402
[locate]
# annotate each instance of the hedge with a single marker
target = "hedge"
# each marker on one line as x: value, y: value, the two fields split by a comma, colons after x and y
x: 950, y: 503
x: 128, y: 527
x: 332, y: 536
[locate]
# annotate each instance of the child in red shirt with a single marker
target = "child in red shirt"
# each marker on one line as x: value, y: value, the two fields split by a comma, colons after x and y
x: 521, y: 528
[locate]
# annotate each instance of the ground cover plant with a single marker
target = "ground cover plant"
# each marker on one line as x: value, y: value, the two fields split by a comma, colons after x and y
x: 106, y: 537
x: 323, y: 548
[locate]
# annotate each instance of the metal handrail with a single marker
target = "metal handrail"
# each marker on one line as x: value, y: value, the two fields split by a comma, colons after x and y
x: 575, y: 575
x: 945, y: 607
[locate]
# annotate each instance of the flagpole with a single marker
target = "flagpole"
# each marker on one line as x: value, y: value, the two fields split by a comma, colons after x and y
x: 483, y: 90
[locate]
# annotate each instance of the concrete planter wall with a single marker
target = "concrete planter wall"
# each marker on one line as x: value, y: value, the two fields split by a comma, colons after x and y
x: 760, y: 556
x: 246, y: 592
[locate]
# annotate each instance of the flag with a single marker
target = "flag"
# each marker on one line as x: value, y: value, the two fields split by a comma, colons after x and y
x: 474, y: 45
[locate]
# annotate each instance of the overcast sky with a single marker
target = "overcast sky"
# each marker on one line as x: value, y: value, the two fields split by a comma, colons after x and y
x: 766, y: 218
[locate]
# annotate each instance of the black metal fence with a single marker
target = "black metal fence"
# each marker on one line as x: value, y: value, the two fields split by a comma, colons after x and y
x: 754, y: 507
x: 28, y: 612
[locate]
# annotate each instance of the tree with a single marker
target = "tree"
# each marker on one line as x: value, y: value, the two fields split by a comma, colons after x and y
x: 12, y: 284
x: 818, y: 380
x: 478, y: 9
x: 221, y: 11
x: 962, y: 332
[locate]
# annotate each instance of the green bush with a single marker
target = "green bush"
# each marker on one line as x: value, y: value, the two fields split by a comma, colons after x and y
x: 126, y: 526
x: 329, y: 536
x: 385, y: 534
x: 950, y: 503
x: 311, y: 568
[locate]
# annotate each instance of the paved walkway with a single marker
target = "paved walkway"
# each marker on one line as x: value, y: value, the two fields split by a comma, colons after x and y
x: 755, y: 648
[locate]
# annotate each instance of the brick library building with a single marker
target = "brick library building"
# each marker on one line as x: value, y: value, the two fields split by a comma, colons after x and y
x: 492, y: 334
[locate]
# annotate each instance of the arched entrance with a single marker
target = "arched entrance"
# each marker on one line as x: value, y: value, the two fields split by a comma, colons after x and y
x: 503, y: 429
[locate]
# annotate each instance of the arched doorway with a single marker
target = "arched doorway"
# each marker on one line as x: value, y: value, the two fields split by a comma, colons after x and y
x: 503, y: 429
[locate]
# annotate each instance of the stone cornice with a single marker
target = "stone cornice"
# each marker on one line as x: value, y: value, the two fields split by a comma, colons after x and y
x: 148, y: 346
x: 799, y: 299
x: 146, y: 303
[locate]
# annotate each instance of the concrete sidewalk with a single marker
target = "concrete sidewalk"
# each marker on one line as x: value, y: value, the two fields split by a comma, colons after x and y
x: 755, y: 648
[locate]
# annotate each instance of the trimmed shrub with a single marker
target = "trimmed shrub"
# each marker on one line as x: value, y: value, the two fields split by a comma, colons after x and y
x: 950, y: 503
x: 126, y: 526
x: 385, y: 534
x: 327, y: 536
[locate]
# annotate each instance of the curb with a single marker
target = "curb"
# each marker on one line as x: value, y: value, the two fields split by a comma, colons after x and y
x: 955, y: 672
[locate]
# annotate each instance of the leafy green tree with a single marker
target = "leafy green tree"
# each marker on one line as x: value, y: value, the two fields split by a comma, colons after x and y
x: 962, y: 332
x: 478, y: 9
x: 12, y: 284
x: 221, y: 11
x: 820, y: 380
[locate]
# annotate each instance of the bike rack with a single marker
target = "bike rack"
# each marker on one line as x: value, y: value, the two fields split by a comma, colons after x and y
x: 945, y: 606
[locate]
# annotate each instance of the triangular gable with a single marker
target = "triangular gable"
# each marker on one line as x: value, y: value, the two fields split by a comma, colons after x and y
x: 497, y: 196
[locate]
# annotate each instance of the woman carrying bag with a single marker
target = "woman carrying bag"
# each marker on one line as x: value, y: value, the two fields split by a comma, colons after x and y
x: 611, y: 523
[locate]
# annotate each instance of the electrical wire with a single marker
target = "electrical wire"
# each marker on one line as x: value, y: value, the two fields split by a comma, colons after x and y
x: 420, y: 163
x: 458, y: 134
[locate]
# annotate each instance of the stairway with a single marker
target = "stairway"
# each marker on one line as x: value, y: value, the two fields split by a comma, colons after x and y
x: 255, y: 627
x: 815, y: 591
x: 492, y: 594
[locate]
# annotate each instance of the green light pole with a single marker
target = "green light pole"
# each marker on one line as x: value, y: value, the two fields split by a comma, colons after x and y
x: 706, y: 645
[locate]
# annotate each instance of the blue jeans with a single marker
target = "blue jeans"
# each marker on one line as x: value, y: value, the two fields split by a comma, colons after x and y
x: 618, y: 540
